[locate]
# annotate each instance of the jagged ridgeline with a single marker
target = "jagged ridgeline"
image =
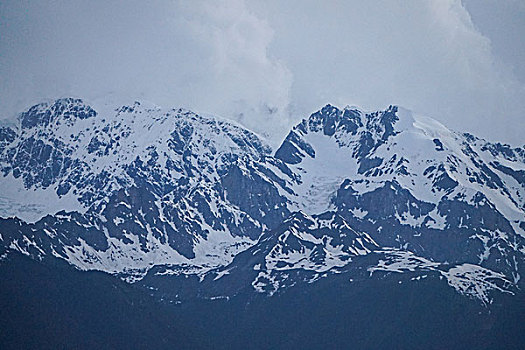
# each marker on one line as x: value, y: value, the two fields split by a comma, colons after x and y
x: 183, y: 202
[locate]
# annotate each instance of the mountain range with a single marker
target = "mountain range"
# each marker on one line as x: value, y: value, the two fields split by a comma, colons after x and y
x: 194, y: 209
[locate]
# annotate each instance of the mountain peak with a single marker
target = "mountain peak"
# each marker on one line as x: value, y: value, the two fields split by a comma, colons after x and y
x: 47, y: 113
x: 343, y: 124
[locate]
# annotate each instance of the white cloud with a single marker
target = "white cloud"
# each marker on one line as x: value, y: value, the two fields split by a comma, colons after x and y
x: 243, y: 82
x: 206, y: 56
x: 264, y: 63
x: 424, y: 55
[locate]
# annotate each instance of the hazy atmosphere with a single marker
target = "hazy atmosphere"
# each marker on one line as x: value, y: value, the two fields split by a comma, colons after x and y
x: 268, y: 64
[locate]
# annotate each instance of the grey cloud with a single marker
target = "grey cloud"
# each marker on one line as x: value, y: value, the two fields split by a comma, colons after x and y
x: 206, y: 56
x: 265, y: 64
x: 423, y: 55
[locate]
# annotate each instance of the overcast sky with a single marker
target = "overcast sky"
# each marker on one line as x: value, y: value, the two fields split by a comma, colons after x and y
x: 271, y: 63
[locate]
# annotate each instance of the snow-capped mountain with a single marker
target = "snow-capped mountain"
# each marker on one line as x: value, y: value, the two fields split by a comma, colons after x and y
x: 152, y: 194
x: 413, y: 184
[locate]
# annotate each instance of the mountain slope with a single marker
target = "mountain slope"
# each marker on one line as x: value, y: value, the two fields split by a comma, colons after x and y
x: 52, y: 306
x: 49, y: 306
x: 142, y: 186
x: 184, y: 202
x: 412, y: 183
